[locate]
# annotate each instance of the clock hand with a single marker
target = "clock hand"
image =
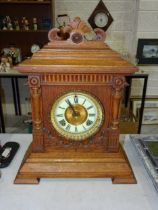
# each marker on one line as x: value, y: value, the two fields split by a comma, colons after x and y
x: 71, y: 106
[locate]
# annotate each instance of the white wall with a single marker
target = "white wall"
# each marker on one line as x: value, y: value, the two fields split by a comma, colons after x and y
x: 147, y: 27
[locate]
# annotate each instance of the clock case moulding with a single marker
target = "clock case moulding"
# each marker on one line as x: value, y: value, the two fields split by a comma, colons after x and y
x: 68, y: 65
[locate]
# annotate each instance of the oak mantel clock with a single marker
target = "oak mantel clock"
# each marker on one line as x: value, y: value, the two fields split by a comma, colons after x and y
x: 76, y: 88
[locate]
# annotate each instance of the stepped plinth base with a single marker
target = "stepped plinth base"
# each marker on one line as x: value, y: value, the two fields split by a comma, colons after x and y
x: 76, y: 165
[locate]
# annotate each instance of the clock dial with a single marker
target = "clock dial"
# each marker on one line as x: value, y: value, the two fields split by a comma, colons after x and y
x: 101, y: 19
x: 35, y: 48
x: 76, y: 115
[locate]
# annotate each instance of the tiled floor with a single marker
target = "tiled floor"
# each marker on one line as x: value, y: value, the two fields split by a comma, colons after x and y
x: 16, y: 124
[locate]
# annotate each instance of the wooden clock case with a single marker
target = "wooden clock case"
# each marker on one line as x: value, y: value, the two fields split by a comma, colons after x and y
x: 62, y: 66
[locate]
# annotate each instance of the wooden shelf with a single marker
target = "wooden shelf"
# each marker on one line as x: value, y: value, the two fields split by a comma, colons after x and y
x: 25, y: 31
x: 25, y: 2
x: 24, y: 39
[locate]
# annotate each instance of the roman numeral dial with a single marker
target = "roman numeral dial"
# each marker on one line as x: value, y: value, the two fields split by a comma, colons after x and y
x: 77, y: 115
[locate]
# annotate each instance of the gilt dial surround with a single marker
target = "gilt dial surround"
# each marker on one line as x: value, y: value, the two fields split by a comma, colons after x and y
x: 76, y: 115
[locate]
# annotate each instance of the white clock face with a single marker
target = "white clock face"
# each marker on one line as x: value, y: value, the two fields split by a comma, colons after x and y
x: 76, y: 115
x: 101, y: 20
x: 35, y: 48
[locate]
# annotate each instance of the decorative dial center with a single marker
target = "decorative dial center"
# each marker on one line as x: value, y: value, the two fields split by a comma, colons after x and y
x: 78, y: 117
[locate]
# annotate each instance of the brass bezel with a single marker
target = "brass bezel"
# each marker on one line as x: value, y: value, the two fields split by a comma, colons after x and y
x: 84, y: 135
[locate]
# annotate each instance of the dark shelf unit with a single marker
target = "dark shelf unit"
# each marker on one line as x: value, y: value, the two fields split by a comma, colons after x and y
x: 23, y: 39
x: 25, y: 2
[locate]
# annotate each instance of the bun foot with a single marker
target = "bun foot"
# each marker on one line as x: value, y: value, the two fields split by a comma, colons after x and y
x: 26, y: 181
x: 124, y: 180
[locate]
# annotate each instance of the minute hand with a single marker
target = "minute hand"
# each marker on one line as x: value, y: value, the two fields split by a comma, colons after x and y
x: 71, y: 106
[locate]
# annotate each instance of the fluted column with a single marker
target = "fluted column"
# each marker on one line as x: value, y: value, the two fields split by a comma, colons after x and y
x: 35, y: 89
x: 118, y: 84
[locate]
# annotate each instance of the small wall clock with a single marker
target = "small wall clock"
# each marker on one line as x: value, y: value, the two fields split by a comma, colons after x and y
x: 100, y: 17
x: 35, y: 48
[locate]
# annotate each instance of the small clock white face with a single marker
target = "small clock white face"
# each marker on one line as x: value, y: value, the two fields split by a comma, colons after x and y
x: 76, y: 115
x: 35, y: 48
x: 101, y: 20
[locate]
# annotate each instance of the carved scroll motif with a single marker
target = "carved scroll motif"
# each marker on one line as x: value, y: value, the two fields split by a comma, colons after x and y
x: 34, y: 83
x: 89, y: 144
x: 76, y: 31
x: 93, y: 142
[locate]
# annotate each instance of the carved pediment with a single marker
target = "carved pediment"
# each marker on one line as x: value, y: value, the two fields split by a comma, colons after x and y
x: 76, y: 31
